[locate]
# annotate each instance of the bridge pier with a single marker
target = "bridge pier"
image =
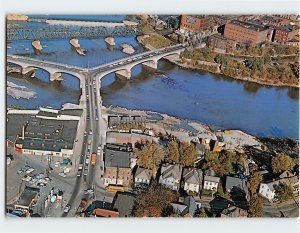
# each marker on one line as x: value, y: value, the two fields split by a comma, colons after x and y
x: 124, y: 74
x: 151, y: 64
x: 28, y: 71
x: 56, y: 77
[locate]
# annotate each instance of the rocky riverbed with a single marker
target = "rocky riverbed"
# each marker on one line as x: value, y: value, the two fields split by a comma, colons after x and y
x: 18, y: 92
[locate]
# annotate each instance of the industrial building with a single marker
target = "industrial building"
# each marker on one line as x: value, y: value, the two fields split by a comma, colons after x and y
x: 43, y: 132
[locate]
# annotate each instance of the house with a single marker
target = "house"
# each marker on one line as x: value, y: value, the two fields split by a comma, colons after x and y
x: 186, y: 206
x: 267, y: 189
x: 124, y: 203
x: 170, y: 176
x: 201, y: 150
x: 192, y: 180
x: 237, y: 183
x: 234, y: 212
x: 142, y: 176
x: 210, y: 182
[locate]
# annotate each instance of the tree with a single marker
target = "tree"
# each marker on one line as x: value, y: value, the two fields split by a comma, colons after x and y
x: 188, y: 153
x: 173, y: 152
x: 254, y: 181
x: 150, y: 157
x: 221, y: 59
x: 154, y: 202
x: 283, y: 192
x: 282, y: 163
x: 201, y: 214
x: 255, y: 207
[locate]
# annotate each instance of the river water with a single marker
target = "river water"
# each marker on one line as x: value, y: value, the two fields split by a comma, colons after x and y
x: 188, y: 94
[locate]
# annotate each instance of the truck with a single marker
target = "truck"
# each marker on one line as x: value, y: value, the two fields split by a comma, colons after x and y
x: 93, y: 161
x: 90, y: 137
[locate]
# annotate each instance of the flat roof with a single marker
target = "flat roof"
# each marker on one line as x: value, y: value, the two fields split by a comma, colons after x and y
x: 27, y: 196
x: 248, y: 25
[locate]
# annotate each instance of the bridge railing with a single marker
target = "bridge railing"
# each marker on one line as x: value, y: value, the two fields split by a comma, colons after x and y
x: 28, y: 60
x: 137, y: 55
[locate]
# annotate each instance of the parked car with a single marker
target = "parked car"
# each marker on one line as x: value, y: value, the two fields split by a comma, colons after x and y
x: 62, y: 174
x: 67, y: 208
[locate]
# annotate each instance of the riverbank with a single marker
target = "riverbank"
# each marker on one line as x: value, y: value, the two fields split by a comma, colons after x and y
x: 187, y: 130
x: 17, y: 92
x: 211, y: 67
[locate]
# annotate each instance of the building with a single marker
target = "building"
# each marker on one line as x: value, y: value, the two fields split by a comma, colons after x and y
x: 117, y: 165
x: 246, y: 32
x: 43, y: 132
x: 285, y: 33
x: 117, y: 121
x: 195, y: 23
x: 170, y: 176
x: 186, y: 206
x: 211, y: 182
x: 235, y: 183
x: 234, y: 212
x: 267, y: 189
x: 27, y: 198
x: 192, y: 180
x: 142, y: 176
x: 128, y: 138
x: 101, y: 209
x: 221, y: 44
x: 124, y: 203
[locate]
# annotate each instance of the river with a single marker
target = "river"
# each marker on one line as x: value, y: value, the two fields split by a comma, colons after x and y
x: 188, y: 94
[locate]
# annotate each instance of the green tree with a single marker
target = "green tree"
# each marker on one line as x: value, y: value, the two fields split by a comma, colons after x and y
x: 188, y: 153
x: 283, y: 192
x: 150, y: 157
x: 255, y: 207
x: 173, y: 152
x: 221, y: 59
x: 282, y: 163
x: 154, y: 202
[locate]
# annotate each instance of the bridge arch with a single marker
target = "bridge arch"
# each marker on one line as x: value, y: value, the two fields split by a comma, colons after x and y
x: 125, y: 70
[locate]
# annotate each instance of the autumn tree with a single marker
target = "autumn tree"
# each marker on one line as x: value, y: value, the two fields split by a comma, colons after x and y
x: 254, y: 182
x: 282, y: 163
x: 188, y: 153
x: 283, y: 192
x: 201, y: 214
x: 150, y: 157
x: 173, y: 152
x: 154, y: 201
x: 255, y: 207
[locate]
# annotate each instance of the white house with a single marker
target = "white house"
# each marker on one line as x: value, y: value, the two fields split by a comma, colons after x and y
x: 142, y: 176
x: 267, y: 189
x: 211, y: 183
x: 170, y: 176
x: 192, y: 179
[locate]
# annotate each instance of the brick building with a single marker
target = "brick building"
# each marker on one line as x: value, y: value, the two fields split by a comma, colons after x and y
x: 284, y: 34
x: 247, y: 32
x: 195, y: 23
x: 221, y: 44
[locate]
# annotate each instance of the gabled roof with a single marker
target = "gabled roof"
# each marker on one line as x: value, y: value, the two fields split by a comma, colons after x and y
x: 171, y: 170
x: 235, y: 182
x: 286, y: 174
x: 212, y: 179
x: 192, y: 175
x: 143, y: 173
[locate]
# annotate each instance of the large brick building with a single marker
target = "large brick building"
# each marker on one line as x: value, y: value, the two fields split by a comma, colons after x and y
x: 286, y: 33
x: 195, y: 23
x: 221, y: 44
x: 247, y: 32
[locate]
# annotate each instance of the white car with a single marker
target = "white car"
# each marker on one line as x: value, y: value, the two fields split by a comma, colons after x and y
x: 30, y: 170
x: 62, y: 174
x: 56, y: 164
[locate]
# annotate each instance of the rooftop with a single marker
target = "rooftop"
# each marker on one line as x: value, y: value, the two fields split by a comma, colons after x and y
x: 248, y: 25
x: 117, y: 158
x: 124, y: 204
x: 27, y: 197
